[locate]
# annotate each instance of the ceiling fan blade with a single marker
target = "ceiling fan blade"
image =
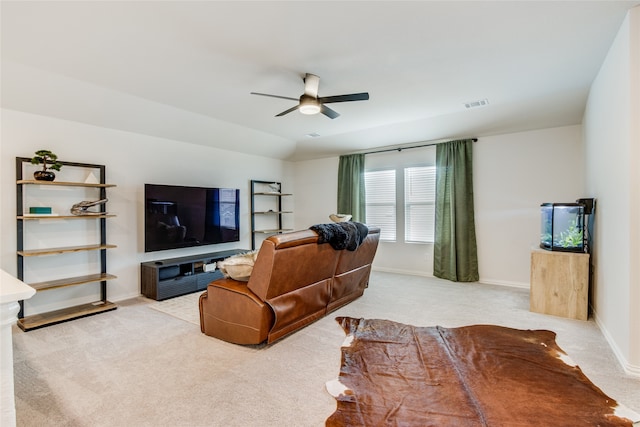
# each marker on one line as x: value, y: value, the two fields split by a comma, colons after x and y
x: 345, y: 98
x: 288, y: 111
x: 328, y: 112
x: 311, y: 84
x: 274, y: 96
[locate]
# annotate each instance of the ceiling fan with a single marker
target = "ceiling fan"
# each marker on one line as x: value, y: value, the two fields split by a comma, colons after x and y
x: 311, y: 103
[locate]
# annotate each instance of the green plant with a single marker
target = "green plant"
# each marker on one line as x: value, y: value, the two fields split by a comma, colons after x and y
x: 47, y: 159
x: 572, y: 237
x: 545, y: 238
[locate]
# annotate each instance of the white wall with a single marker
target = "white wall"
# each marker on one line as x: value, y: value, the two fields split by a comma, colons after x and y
x: 131, y: 160
x: 612, y: 139
x: 513, y: 175
x: 316, y: 191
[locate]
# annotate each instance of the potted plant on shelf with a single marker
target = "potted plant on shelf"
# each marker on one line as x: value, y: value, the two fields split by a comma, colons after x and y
x: 48, y: 160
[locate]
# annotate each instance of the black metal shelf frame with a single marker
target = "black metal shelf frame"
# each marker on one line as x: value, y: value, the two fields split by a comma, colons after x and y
x: 277, y: 212
x: 20, y: 221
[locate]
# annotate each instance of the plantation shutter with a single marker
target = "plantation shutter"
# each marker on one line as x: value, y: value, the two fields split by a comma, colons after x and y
x: 419, y: 199
x: 380, y: 188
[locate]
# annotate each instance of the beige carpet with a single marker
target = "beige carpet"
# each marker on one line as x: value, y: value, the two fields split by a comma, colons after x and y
x: 137, y: 366
x: 184, y: 307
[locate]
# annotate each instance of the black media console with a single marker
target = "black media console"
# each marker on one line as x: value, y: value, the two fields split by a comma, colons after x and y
x: 172, y: 277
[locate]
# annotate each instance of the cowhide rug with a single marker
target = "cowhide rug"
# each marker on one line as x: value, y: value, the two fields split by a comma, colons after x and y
x: 482, y: 375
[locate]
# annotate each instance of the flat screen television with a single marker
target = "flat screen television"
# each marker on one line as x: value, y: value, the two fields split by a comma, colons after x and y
x: 181, y: 217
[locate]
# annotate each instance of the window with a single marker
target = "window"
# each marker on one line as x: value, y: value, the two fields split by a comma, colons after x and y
x: 419, y: 203
x: 380, y: 189
x: 402, y: 203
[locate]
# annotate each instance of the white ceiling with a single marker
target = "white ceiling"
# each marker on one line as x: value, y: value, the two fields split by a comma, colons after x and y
x: 184, y: 70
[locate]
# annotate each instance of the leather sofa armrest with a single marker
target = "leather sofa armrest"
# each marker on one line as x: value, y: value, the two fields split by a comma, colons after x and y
x: 235, y: 286
x: 231, y: 312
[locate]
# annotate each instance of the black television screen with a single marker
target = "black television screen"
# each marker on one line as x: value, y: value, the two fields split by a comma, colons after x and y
x: 180, y: 217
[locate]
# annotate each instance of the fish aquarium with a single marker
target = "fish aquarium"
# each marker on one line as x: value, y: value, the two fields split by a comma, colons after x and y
x: 562, y: 227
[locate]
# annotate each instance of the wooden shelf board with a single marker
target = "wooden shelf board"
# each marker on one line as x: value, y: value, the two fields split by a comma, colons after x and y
x: 273, y: 231
x: 30, y: 217
x: 63, y: 183
x: 71, y: 281
x: 45, y: 319
x: 274, y: 212
x: 52, y: 251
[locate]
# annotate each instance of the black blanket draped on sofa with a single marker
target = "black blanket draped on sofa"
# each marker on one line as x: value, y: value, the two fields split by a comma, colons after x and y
x: 342, y: 235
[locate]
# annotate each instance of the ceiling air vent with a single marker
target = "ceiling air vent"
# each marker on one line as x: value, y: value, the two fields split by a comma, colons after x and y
x: 476, y: 104
x: 313, y: 135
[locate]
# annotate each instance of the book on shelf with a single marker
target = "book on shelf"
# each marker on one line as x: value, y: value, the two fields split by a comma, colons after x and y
x: 42, y: 210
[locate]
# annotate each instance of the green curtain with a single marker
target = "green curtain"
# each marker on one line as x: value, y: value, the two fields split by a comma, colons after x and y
x: 351, y: 196
x: 455, y: 255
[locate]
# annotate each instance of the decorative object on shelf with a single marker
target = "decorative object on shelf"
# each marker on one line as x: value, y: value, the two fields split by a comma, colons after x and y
x: 82, y: 207
x: 207, y: 268
x: 91, y: 179
x: 275, y: 187
x: 40, y: 210
x: 48, y: 160
x: 340, y: 217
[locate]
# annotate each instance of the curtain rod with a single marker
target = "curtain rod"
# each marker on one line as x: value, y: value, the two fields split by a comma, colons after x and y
x: 407, y: 148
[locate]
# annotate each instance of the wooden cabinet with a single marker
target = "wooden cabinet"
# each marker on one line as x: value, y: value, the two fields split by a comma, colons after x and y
x: 172, y: 277
x: 266, y: 209
x: 560, y: 283
x: 44, y: 226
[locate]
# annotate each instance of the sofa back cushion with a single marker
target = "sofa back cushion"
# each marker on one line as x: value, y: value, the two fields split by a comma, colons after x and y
x: 353, y: 271
x: 291, y: 261
x: 293, y: 274
x: 351, y: 260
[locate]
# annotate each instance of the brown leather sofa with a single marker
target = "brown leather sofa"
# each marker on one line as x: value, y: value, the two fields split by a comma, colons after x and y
x: 294, y: 282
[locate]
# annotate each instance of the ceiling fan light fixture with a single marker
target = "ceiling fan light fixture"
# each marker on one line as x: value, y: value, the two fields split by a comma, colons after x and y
x: 309, y: 105
x: 309, y: 109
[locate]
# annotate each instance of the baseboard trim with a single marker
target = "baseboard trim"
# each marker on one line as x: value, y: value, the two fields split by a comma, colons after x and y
x: 505, y: 283
x: 628, y: 368
x: 425, y: 274
x: 397, y: 271
x: 127, y: 297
